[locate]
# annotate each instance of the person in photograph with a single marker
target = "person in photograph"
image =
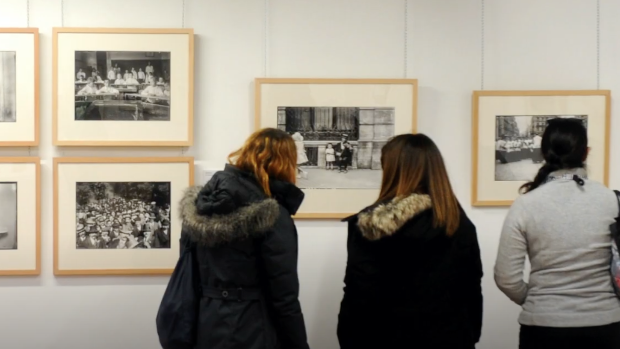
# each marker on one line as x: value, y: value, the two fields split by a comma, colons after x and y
x: 80, y: 76
x: 141, y: 76
x: 107, y: 89
x: 560, y: 223
x: 127, y: 75
x: 161, y: 82
x: 119, y: 80
x: 152, y: 91
x: 111, y: 74
x: 162, y: 235
x: 92, y: 241
x: 149, y: 69
x: 414, y: 271
x: 330, y: 157
x: 81, y: 236
x: 345, y: 157
x: 245, y: 242
x: 302, y: 158
x: 167, y: 91
x: 89, y: 89
x: 134, y: 73
x: 339, y: 148
x: 131, y: 81
x: 99, y: 79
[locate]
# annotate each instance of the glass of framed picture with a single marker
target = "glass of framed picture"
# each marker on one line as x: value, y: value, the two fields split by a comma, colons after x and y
x: 20, y: 216
x: 118, y: 216
x: 19, y: 87
x: 339, y: 127
x: 123, y: 87
x: 507, y: 132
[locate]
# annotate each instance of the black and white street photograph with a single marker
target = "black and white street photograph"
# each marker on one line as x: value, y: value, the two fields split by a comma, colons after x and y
x: 8, y: 86
x: 122, y: 85
x: 338, y: 147
x: 122, y: 215
x: 517, y: 145
x: 8, y: 216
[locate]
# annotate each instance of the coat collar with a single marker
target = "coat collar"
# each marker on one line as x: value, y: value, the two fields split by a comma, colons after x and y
x: 385, y: 219
x: 579, y: 172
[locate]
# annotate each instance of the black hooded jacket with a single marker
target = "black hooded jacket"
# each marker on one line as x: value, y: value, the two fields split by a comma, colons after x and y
x: 407, y: 284
x: 247, y: 255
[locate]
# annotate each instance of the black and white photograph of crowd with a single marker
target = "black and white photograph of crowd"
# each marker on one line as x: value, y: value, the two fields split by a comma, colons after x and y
x: 8, y: 216
x: 338, y: 147
x: 122, y: 85
x: 517, y: 145
x: 122, y: 215
x: 8, y: 86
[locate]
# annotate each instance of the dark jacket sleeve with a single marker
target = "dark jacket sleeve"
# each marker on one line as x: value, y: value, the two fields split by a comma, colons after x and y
x: 279, y: 255
x: 472, y: 285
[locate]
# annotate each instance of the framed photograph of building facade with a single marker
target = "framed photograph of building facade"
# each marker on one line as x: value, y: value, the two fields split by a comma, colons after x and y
x: 507, y: 132
x: 20, y: 216
x: 123, y: 87
x: 19, y: 87
x: 118, y: 216
x: 339, y: 127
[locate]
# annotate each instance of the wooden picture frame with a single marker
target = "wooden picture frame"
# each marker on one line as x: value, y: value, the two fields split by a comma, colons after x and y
x: 21, y: 128
x: 519, y: 118
x: 129, y: 111
x: 95, y: 195
x: 23, y: 175
x: 363, y: 112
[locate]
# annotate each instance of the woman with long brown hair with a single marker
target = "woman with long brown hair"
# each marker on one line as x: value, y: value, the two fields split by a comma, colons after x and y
x: 413, y: 277
x: 246, y: 248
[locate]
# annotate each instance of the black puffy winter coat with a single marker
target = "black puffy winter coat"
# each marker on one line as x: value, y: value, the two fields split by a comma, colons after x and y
x: 407, y: 284
x: 247, y: 255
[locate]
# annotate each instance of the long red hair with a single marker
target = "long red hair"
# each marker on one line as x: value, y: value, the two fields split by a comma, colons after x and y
x: 268, y: 153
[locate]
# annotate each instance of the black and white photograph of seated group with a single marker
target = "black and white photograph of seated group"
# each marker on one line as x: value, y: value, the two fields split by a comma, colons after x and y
x: 8, y: 86
x: 8, y: 216
x: 338, y: 147
x: 122, y: 215
x: 517, y: 145
x: 122, y: 85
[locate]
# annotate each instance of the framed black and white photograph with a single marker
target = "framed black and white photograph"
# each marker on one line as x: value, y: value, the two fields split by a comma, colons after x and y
x: 339, y: 127
x: 20, y: 220
x: 122, y: 85
x: 114, y: 87
x: 118, y: 216
x: 507, y: 135
x: 518, y: 155
x: 19, y: 87
x: 122, y: 215
x: 338, y: 147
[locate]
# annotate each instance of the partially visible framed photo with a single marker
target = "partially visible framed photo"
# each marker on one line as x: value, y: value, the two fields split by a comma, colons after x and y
x: 19, y: 87
x: 507, y: 132
x: 20, y: 216
x: 118, y: 216
x: 339, y: 127
x: 123, y: 87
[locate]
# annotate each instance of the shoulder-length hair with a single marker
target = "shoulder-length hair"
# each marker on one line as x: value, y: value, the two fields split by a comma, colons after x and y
x: 411, y: 164
x: 268, y: 153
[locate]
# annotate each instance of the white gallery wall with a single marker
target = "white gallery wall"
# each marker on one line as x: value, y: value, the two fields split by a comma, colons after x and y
x: 452, y: 46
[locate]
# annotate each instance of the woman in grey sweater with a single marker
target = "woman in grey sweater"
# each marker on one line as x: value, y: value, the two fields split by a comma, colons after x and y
x: 562, y: 224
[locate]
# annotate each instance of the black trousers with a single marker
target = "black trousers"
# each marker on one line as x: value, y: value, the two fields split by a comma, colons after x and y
x: 599, y: 337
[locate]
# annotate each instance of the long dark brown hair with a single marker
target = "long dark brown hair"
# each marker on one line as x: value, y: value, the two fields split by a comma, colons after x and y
x: 564, y: 145
x: 268, y: 153
x: 412, y: 163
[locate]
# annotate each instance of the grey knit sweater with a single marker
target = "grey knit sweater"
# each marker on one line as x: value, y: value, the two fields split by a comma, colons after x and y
x: 564, y: 230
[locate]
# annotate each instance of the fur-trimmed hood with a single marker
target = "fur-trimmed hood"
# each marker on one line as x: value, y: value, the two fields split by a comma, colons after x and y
x: 232, y: 207
x: 387, y: 218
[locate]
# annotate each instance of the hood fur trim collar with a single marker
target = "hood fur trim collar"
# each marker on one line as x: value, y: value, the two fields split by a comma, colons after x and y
x: 386, y: 219
x: 248, y: 221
